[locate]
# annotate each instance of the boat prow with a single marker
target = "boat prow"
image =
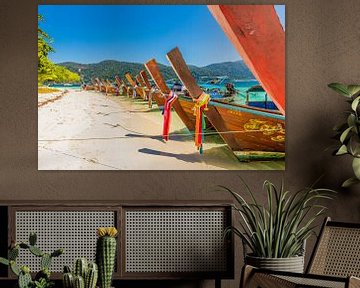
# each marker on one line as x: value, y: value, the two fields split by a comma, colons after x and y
x: 257, y: 34
x: 251, y: 133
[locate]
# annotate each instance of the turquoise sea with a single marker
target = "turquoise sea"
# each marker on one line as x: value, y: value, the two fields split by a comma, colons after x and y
x: 240, y: 85
x: 65, y: 87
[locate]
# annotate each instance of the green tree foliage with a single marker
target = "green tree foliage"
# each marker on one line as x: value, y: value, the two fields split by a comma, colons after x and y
x: 110, y: 68
x: 47, y: 70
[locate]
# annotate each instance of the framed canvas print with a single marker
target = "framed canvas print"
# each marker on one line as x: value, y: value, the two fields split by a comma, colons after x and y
x: 161, y: 87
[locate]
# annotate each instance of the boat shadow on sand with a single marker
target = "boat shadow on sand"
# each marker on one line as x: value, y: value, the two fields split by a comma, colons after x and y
x: 220, y: 157
x: 182, y: 135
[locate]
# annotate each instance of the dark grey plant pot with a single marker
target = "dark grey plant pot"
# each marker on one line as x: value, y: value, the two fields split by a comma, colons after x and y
x: 291, y: 264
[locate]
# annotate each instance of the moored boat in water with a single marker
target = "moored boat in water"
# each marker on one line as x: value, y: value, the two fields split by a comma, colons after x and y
x: 121, y: 85
x: 154, y: 93
x: 138, y: 91
x: 257, y: 34
x: 250, y: 132
x: 264, y: 101
x: 183, y: 110
x: 219, y: 88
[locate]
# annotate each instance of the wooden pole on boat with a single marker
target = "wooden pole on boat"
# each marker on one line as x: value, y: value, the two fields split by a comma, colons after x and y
x: 257, y: 34
x: 183, y: 72
x: 133, y: 84
x: 145, y: 79
x: 159, y: 80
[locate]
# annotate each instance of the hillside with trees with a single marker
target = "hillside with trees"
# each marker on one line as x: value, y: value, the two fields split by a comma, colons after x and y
x: 108, y: 69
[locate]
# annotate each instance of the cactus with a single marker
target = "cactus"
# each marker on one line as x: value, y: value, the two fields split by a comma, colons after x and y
x: 43, y: 274
x: 4, y: 261
x: 45, y: 261
x: 68, y: 280
x: 88, y: 273
x: 80, y: 267
x: 32, y: 239
x: 79, y: 282
x: 91, y: 276
x: 57, y: 253
x: 106, y: 254
x: 14, y: 268
x: 24, y: 246
x: 13, y: 253
x: 36, y: 251
x: 24, y: 278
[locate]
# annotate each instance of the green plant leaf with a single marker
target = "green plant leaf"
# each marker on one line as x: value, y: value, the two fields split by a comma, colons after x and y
x: 340, y: 127
x: 345, y: 134
x: 342, y: 150
x: 279, y: 228
x: 14, y: 268
x: 351, y: 120
x: 353, y: 89
x: 340, y: 88
x: 4, y: 261
x: 349, y: 182
x: 354, y: 145
x: 355, y: 103
x: 356, y: 167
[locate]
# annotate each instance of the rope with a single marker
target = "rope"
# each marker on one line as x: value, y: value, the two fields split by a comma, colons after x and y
x: 189, y: 134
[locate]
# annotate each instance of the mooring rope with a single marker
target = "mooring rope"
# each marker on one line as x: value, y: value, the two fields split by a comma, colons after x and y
x: 187, y: 134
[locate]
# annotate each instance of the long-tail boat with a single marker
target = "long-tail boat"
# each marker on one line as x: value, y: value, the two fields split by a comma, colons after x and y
x: 139, y: 91
x: 257, y: 34
x: 187, y: 117
x: 250, y: 132
x: 101, y: 86
x: 122, y: 87
x: 110, y: 88
x: 155, y: 93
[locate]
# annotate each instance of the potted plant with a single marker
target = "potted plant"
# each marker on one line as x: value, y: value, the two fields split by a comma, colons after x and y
x: 276, y: 233
x: 349, y: 131
x: 42, y: 278
x: 84, y: 274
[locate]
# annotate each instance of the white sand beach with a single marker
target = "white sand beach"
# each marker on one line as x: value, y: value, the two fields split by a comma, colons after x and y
x: 86, y: 130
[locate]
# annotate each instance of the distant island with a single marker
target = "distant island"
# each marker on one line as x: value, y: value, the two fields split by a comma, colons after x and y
x: 108, y: 69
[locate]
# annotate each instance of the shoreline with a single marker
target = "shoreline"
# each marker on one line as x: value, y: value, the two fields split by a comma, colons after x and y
x: 87, y: 130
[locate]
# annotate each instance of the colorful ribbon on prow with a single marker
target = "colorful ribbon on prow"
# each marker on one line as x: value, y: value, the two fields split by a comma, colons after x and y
x: 201, y: 105
x: 152, y: 90
x: 167, y: 113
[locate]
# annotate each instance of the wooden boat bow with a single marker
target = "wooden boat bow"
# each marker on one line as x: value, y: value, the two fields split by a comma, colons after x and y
x: 182, y: 71
x: 257, y: 34
x: 159, y: 80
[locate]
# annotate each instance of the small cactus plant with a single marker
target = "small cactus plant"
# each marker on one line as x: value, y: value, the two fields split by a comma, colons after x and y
x: 106, y: 254
x: 79, y: 282
x: 42, y: 278
x: 85, y: 275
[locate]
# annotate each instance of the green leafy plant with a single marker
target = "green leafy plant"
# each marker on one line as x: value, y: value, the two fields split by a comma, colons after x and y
x: 47, y: 70
x: 280, y: 229
x: 349, y: 131
x: 42, y: 278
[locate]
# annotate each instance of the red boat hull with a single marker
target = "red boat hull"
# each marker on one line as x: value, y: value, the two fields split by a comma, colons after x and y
x: 257, y: 34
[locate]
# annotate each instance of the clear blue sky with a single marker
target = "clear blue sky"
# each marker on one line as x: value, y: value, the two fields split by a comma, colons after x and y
x: 136, y: 33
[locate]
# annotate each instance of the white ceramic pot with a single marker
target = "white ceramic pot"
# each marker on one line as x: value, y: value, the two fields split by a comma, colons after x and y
x: 291, y: 264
